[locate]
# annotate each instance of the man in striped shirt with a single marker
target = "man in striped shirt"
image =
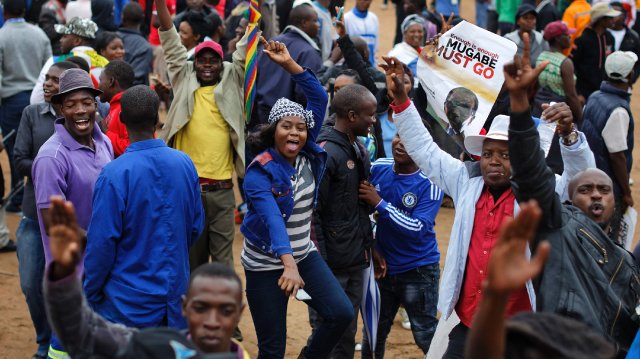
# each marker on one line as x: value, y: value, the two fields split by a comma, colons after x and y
x: 407, y: 259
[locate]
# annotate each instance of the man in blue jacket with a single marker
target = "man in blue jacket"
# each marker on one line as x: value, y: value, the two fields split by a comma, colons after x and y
x: 146, y: 214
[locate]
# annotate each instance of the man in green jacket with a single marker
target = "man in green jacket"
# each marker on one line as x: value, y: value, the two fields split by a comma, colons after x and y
x: 206, y: 121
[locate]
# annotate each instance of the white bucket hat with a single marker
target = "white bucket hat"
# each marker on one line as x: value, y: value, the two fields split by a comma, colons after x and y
x: 499, y: 130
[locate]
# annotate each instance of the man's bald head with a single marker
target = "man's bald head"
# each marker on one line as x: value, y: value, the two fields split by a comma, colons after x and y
x: 592, y: 191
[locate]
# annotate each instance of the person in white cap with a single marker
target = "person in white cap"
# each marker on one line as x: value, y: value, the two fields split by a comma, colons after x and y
x: 608, y: 125
x: 483, y: 198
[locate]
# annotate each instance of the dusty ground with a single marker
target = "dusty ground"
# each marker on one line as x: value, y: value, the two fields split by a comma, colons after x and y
x: 17, y: 337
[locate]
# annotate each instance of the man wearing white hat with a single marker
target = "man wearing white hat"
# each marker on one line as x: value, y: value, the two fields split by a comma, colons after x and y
x: 608, y: 125
x: 483, y: 198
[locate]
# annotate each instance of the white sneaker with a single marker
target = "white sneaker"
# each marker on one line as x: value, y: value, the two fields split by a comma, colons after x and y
x: 406, y: 324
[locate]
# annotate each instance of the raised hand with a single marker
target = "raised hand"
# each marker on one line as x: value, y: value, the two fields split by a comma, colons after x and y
x: 395, y: 75
x: 561, y: 113
x: 338, y: 24
x: 278, y: 53
x: 519, y: 75
x: 509, y: 268
x: 446, y: 25
x: 66, y: 239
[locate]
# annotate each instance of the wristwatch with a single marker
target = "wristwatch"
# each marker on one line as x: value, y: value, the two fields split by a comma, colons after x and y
x: 572, y: 137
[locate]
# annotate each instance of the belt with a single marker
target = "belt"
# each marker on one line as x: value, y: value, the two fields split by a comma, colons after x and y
x: 209, y: 185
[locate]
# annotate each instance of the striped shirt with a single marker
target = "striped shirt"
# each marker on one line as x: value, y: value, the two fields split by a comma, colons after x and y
x: 298, y: 225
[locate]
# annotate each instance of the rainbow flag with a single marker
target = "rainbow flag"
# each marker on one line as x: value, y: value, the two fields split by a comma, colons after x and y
x: 251, y: 66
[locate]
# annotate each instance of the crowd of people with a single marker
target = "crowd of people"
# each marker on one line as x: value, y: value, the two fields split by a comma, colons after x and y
x: 125, y: 246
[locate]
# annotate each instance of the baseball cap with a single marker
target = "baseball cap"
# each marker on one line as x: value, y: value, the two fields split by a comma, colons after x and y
x: 499, y: 130
x: 525, y: 9
x: 209, y: 44
x: 557, y: 28
x: 600, y: 10
x: 78, y: 26
x: 619, y: 64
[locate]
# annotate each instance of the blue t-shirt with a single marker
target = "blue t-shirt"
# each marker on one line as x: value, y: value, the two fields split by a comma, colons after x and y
x: 405, y: 235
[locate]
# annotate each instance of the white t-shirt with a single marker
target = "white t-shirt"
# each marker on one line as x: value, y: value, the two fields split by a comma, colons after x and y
x: 618, y: 35
x: 615, y: 130
x: 368, y: 28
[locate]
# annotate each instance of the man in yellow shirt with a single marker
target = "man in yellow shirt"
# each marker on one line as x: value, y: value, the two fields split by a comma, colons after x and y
x: 576, y: 16
x: 206, y: 121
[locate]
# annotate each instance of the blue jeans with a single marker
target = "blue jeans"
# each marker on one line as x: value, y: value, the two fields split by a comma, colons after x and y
x: 481, y: 13
x: 417, y: 291
x: 10, y: 116
x: 31, y: 269
x: 352, y: 283
x: 268, y: 306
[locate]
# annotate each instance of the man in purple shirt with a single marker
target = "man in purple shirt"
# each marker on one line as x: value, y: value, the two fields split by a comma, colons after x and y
x: 69, y: 163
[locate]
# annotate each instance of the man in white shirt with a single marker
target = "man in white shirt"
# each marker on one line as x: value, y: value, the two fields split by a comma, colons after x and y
x: 362, y: 22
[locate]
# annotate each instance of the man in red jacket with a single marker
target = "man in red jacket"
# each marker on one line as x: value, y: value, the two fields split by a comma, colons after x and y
x: 116, y: 77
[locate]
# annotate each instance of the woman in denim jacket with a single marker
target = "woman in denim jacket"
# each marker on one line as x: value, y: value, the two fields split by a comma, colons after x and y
x: 279, y: 256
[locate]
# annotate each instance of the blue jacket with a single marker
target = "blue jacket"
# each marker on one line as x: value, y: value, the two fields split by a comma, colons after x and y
x: 267, y: 183
x: 147, y: 212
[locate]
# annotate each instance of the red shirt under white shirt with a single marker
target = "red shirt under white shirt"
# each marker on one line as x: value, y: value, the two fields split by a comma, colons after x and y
x: 489, y: 216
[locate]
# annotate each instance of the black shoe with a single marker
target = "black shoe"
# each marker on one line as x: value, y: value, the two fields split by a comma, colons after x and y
x: 13, y: 208
x: 9, y: 247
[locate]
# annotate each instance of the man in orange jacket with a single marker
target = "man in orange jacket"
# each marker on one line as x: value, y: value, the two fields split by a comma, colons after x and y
x: 116, y: 77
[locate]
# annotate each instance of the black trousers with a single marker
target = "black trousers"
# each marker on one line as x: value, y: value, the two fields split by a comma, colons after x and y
x: 457, y: 338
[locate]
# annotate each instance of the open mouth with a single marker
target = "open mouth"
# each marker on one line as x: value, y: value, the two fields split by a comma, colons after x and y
x: 596, y: 209
x: 82, y: 124
x: 293, y: 145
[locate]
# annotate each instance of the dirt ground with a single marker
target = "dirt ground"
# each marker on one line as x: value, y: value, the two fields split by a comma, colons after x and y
x: 17, y: 335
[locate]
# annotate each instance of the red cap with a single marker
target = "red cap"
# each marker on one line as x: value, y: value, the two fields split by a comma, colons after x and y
x: 209, y: 45
x: 557, y: 28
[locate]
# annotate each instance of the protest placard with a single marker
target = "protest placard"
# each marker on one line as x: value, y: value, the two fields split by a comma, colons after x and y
x: 462, y: 76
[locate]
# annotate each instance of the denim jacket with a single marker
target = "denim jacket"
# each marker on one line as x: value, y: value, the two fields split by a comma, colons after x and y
x: 267, y: 184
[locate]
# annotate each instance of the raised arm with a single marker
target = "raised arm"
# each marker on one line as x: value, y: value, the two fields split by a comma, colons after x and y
x: 446, y: 172
x: 82, y: 332
x: 164, y: 17
x: 305, y: 79
x: 175, y: 54
x: 531, y: 177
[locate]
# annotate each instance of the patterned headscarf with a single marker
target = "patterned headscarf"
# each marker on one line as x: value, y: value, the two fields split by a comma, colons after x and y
x: 412, y: 20
x: 285, y: 107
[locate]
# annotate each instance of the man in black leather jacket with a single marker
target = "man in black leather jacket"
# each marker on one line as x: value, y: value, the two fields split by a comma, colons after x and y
x: 587, y: 276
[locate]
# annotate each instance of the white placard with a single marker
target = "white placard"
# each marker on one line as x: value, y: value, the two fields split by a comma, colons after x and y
x: 468, y: 62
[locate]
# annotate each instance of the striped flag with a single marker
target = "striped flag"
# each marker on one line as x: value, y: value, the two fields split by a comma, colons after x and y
x: 251, y: 65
